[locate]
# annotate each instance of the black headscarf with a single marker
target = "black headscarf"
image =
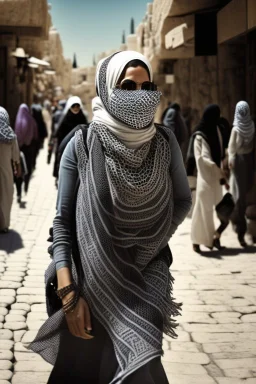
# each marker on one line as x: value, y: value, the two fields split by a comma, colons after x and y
x: 37, y: 110
x: 70, y: 121
x: 175, y: 106
x: 225, y: 129
x: 208, y: 126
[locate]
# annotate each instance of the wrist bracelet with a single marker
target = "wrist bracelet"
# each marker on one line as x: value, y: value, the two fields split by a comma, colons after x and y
x: 62, y: 292
x: 71, y: 304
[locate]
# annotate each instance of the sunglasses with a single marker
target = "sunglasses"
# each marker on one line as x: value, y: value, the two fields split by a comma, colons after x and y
x: 130, y: 85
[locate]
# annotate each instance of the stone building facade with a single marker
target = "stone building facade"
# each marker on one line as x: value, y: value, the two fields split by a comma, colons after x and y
x: 83, y: 85
x: 167, y: 37
x: 25, y: 30
x: 23, y: 26
x: 58, y: 84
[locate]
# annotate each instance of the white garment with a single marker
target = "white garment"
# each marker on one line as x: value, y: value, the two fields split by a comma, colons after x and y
x: 71, y: 101
x: 132, y: 138
x: 208, y: 194
x: 243, y: 124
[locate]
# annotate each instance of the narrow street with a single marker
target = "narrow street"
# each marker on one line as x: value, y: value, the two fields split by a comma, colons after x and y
x: 217, y: 332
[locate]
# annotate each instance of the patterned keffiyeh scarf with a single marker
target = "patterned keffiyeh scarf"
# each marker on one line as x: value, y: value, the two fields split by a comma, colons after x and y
x: 6, y: 133
x: 243, y: 123
x: 123, y: 215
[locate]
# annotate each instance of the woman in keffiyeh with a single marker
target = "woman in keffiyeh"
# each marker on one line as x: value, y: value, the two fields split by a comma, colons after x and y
x: 240, y: 152
x: 133, y: 195
x: 9, y: 164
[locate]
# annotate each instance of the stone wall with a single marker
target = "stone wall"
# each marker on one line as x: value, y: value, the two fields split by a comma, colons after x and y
x: 205, y: 80
x: 232, y: 76
x: 52, y: 52
x: 25, y: 13
x: 195, y: 84
x: 84, y: 89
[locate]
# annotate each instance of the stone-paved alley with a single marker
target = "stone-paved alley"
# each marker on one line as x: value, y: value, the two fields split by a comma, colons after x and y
x: 217, y: 332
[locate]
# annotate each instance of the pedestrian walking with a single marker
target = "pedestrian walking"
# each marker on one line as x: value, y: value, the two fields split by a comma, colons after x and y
x: 133, y: 195
x: 241, y: 163
x: 27, y: 135
x: 208, y: 152
x: 37, y: 113
x: 72, y: 116
x: 165, y: 111
x: 56, y: 115
x: 47, y: 116
x: 9, y: 165
x: 57, y: 111
x: 175, y: 121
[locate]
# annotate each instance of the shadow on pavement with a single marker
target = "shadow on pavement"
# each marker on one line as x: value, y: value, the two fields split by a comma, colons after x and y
x: 11, y: 241
x: 229, y: 252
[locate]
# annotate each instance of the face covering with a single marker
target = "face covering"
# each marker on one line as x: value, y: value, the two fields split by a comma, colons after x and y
x: 134, y: 108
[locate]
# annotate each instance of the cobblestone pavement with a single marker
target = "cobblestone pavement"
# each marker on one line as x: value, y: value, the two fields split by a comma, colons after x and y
x: 217, y: 332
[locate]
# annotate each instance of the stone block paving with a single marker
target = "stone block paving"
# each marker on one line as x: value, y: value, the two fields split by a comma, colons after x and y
x: 216, y: 341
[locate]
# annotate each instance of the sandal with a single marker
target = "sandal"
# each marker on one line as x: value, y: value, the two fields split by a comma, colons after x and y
x: 242, y: 241
x: 217, y: 245
x: 196, y: 248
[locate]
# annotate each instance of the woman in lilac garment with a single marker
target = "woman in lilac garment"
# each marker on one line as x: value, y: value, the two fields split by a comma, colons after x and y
x: 26, y: 131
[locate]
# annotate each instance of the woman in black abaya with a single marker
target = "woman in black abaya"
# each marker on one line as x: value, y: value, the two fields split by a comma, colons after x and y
x: 73, y: 115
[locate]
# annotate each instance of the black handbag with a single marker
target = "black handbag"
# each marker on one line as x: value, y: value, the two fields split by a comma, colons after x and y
x: 225, y: 208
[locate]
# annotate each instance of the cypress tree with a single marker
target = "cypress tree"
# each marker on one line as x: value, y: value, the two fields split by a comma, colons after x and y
x: 74, y: 61
x: 123, y: 38
x: 132, y: 26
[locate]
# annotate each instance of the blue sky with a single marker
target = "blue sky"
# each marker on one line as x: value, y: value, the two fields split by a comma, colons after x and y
x: 90, y: 27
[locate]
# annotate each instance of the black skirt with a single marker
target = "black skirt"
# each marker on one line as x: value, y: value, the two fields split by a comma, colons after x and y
x: 93, y: 361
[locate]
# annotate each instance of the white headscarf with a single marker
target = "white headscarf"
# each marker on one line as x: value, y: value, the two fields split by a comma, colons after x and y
x: 71, y: 101
x: 243, y: 123
x: 132, y: 138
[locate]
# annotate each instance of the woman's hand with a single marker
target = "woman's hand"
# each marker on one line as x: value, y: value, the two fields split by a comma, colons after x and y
x: 230, y: 165
x: 79, y: 321
x: 223, y: 174
x: 17, y: 169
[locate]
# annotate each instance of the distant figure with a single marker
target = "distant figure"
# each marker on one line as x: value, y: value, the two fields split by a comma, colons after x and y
x: 27, y: 135
x: 175, y: 121
x: 47, y: 116
x: 9, y: 165
x: 165, y: 111
x: 57, y: 111
x: 72, y: 116
x: 240, y: 151
x: 37, y: 113
x: 208, y: 152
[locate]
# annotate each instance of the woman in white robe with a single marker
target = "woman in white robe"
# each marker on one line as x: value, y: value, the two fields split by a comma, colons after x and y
x: 208, y: 152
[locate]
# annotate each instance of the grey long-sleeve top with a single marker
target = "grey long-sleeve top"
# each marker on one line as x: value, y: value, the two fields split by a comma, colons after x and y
x: 67, y: 180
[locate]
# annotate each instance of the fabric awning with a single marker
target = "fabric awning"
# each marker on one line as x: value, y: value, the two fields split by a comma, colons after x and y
x: 34, y: 60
